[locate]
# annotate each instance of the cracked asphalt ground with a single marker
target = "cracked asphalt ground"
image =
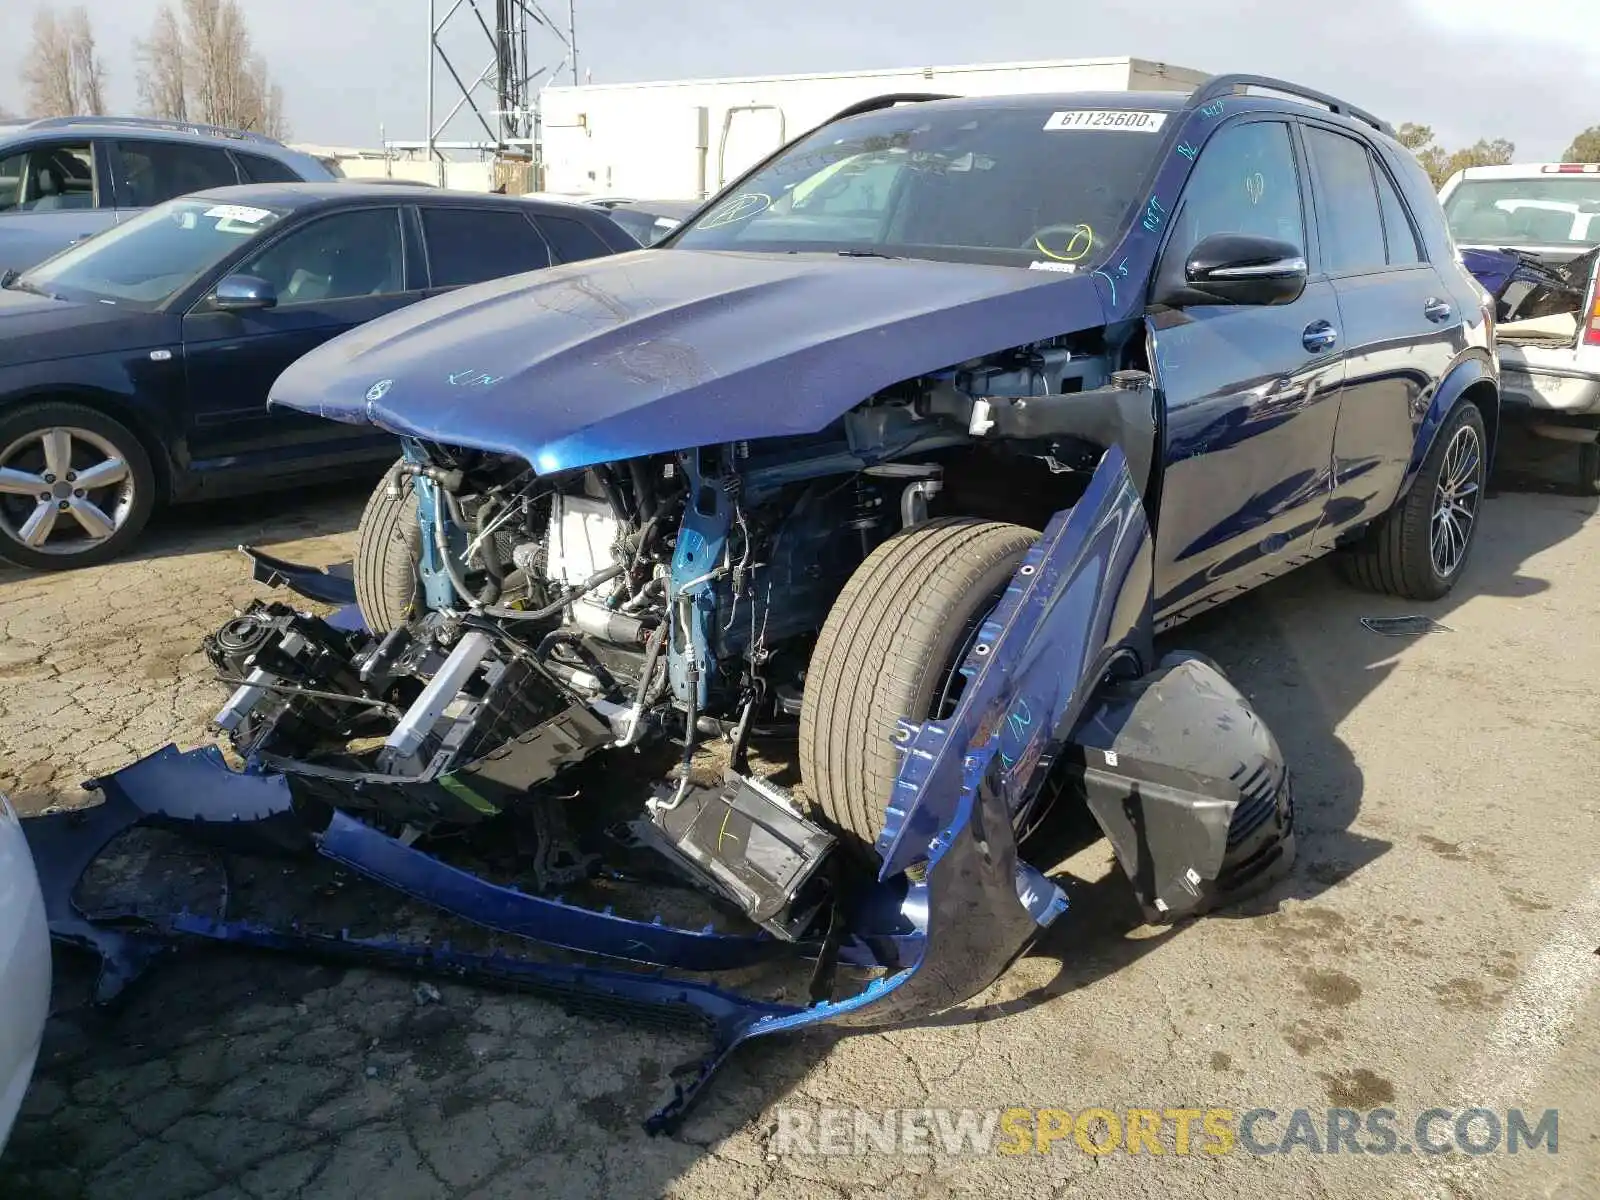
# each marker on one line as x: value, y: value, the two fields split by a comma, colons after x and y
x: 1433, y: 947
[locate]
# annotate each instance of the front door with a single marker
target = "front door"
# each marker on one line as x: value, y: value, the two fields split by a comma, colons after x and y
x: 330, y: 274
x: 52, y: 193
x: 1250, y: 393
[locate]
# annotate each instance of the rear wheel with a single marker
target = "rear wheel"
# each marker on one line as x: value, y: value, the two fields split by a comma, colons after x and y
x: 389, y: 554
x: 889, y: 649
x: 1589, y: 468
x: 76, y: 486
x: 1419, y: 548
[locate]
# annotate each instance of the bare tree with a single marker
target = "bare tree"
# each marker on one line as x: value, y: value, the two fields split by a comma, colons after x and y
x: 162, y: 90
x: 62, y: 73
x: 201, y: 66
x: 47, y: 69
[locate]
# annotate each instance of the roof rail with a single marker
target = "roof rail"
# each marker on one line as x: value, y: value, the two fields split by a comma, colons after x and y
x: 1228, y: 85
x: 242, y: 135
x: 887, y: 101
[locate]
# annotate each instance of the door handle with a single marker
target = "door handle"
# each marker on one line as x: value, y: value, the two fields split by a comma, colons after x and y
x: 1319, y: 336
x: 1437, y: 310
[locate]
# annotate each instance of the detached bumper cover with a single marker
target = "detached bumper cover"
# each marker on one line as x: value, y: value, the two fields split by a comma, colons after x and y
x: 953, y: 906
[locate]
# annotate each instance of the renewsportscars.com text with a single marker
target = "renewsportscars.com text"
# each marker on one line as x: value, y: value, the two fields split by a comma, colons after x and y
x: 1164, y: 1131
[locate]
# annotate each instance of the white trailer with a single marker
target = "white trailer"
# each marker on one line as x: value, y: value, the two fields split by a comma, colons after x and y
x: 684, y: 139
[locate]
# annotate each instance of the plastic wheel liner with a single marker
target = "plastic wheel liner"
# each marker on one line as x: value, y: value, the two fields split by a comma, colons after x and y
x: 953, y: 904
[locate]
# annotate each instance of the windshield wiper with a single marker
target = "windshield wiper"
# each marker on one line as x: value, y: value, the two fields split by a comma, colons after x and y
x: 864, y: 254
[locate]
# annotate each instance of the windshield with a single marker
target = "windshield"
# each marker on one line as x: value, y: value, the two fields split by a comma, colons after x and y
x: 1010, y: 184
x: 142, y: 262
x: 1555, y: 210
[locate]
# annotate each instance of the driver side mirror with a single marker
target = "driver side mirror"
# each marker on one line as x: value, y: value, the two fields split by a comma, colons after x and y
x: 1239, y: 268
x: 243, y: 293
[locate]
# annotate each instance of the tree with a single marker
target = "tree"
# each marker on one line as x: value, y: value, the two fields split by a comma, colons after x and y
x: 160, y: 71
x: 201, y: 66
x: 63, y: 75
x: 1585, y: 147
x: 1440, y: 163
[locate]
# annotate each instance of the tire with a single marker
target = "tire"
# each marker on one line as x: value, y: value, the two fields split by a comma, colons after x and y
x: 388, y: 555
x: 1397, y: 555
x: 886, y: 650
x: 1589, y: 469
x: 84, y: 438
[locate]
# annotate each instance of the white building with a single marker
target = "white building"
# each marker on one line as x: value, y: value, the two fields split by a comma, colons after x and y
x: 682, y: 140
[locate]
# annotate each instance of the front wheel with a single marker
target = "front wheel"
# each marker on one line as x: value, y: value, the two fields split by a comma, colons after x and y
x: 889, y: 649
x: 76, y: 486
x: 1419, y: 548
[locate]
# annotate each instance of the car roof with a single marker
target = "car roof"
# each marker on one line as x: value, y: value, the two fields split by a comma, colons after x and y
x: 346, y: 191
x: 1166, y: 101
x: 1529, y: 170
x: 1163, y: 101
x: 146, y: 129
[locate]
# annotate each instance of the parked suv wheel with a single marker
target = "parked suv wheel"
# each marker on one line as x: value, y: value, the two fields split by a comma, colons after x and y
x: 388, y: 552
x: 76, y: 486
x: 889, y: 649
x: 1589, y: 468
x: 1419, y: 548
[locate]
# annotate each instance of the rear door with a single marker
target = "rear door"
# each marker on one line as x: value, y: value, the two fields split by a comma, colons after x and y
x: 52, y: 193
x: 147, y: 171
x: 332, y: 272
x: 466, y: 245
x: 1251, y: 393
x: 1402, y: 325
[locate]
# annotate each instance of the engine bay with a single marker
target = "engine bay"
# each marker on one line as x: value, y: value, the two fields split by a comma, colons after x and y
x: 672, y: 597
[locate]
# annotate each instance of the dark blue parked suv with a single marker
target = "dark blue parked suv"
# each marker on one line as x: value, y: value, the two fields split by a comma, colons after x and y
x: 134, y: 367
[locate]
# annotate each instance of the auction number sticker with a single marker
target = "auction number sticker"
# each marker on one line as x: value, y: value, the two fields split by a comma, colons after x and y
x: 1127, y: 122
x: 239, y: 212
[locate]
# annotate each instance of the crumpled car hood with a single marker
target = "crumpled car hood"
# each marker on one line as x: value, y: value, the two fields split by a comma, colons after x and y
x: 658, y: 350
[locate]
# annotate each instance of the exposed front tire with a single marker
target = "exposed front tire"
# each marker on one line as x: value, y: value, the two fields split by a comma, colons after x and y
x: 388, y: 554
x: 76, y: 486
x: 888, y: 650
x: 1419, y: 548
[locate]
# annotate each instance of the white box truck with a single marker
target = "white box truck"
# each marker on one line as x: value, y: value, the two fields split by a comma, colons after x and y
x: 684, y: 139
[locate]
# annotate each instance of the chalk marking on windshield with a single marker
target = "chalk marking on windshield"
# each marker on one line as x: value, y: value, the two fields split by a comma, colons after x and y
x: 1074, y: 252
x: 1154, y: 214
x: 747, y: 204
x: 1188, y: 151
x: 1214, y: 109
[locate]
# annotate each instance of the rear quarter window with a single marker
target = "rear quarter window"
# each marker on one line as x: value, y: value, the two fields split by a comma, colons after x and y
x: 258, y: 168
x: 572, y: 240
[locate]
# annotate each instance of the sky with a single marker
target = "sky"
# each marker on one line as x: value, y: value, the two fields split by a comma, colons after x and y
x: 1527, y: 71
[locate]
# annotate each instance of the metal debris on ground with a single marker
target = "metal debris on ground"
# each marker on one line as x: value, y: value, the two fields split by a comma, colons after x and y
x: 1414, y: 626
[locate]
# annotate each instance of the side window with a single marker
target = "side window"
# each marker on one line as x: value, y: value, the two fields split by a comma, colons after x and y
x: 337, y: 257
x: 467, y: 245
x: 572, y: 241
x: 258, y: 168
x: 150, y: 172
x: 1398, y: 233
x: 1347, y: 212
x: 48, y: 178
x: 1246, y: 181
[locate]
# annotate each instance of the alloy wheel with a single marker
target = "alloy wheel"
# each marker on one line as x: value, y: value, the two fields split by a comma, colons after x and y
x: 63, y: 490
x: 1455, y: 505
